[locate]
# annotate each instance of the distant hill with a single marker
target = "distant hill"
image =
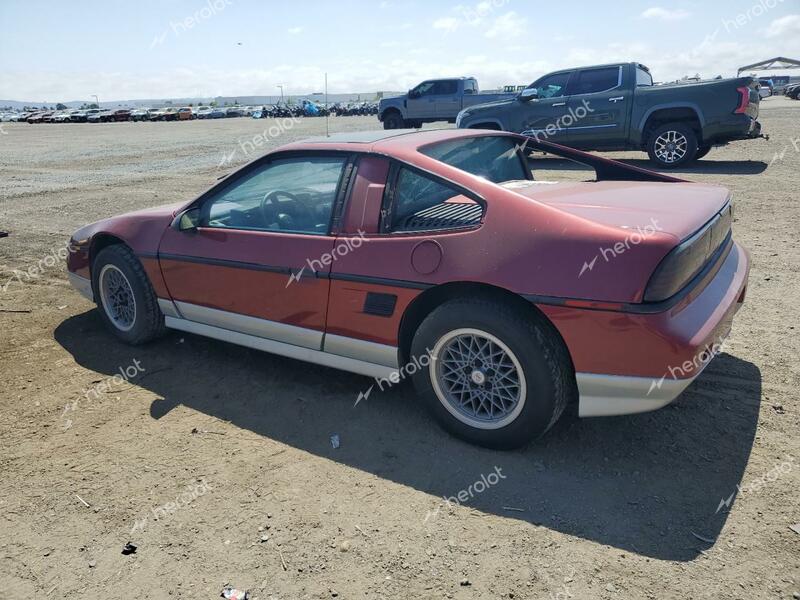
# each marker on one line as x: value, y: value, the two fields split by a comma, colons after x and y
x: 220, y: 100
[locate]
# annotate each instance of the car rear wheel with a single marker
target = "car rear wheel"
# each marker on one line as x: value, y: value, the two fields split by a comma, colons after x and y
x: 672, y: 145
x: 495, y: 376
x: 393, y: 120
x: 126, y: 299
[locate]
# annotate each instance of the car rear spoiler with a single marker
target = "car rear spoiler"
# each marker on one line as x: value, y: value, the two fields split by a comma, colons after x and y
x: 605, y: 168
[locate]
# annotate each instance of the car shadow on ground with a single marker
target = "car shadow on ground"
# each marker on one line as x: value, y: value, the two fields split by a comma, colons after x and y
x: 706, y: 166
x: 648, y: 484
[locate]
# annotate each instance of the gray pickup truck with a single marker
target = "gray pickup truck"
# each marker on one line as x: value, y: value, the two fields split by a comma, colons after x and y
x: 617, y: 107
x: 434, y: 100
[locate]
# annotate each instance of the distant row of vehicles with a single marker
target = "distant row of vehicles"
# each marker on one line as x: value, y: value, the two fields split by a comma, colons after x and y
x: 97, y: 115
x: 305, y: 108
x: 792, y: 91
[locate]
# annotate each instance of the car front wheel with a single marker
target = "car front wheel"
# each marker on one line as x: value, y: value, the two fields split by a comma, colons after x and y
x: 495, y: 376
x: 126, y: 299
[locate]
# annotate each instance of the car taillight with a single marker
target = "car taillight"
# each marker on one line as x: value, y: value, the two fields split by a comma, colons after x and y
x: 744, y: 99
x: 687, y: 259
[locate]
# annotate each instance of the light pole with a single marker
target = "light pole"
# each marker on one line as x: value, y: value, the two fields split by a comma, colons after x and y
x: 281, y: 87
x: 96, y: 100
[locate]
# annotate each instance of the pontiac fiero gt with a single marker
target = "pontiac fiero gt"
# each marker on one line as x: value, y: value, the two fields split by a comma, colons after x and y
x: 370, y: 251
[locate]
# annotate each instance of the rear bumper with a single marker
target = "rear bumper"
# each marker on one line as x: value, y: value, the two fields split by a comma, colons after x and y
x: 630, y: 363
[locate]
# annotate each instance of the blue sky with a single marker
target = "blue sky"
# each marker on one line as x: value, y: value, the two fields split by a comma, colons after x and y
x: 51, y: 51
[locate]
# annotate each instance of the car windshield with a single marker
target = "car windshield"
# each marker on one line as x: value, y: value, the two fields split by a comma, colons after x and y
x: 495, y: 158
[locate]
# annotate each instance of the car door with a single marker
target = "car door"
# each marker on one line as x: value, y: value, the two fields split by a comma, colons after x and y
x: 258, y: 260
x: 447, y: 99
x: 421, y: 101
x: 599, y: 105
x: 543, y: 115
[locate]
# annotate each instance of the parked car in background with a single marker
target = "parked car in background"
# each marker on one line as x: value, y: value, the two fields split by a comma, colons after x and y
x: 234, y: 111
x: 217, y: 113
x: 165, y: 114
x: 202, y: 112
x: 617, y: 107
x: 121, y: 114
x: 102, y: 116
x: 185, y: 114
x: 65, y: 116
x: 433, y: 100
x: 39, y: 117
x: 82, y: 115
x: 765, y: 88
x: 497, y: 353
x: 140, y: 114
x: 792, y: 91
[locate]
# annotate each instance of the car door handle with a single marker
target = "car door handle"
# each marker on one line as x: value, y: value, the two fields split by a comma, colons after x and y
x: 617, y: 99
x: 558, y: 104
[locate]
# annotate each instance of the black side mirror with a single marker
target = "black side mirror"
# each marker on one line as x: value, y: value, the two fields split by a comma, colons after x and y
x: 188, y: 220
x: 529, y: 94
x: 413, y: 94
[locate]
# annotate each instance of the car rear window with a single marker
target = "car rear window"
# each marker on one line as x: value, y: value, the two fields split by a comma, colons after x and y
x: 594, y: 81
x: 495, y: 158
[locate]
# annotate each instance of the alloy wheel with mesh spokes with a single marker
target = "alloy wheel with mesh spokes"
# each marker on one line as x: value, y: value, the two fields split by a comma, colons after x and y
x: 116, y: 295
x: 126, y: 299
x: 478, y: 378
x: 499, y: 374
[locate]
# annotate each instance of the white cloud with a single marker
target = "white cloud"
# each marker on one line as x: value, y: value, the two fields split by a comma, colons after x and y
x: 507, y: 26
x: 447, y: 24
x: 294, y: 30
x: 469, y: 15
x: 785, y: 26
x: 664, y: 14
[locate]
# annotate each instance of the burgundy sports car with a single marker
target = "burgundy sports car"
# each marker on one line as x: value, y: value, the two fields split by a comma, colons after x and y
x: 438, y: 256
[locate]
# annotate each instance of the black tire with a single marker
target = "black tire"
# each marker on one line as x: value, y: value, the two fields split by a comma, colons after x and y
x: 393, y: 120
x: 148, y: 320
x: 538, y: 349
x: 702, y: 151
x: 658, y: 154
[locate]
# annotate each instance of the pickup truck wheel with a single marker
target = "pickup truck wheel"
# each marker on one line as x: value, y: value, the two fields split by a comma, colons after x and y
x: 494, y: 376
x: 702, y: 151
x: 393, y: 120
x: 672, y: 145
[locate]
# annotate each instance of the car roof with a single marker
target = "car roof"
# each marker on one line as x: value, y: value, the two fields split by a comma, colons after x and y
x: 358, y: 137
x: 389, y: 142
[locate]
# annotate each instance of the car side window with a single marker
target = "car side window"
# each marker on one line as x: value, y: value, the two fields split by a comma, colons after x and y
x: 420, y: 203
x: 290, y: 195
x: 425, y: 89
x: 593, y: 81
x: 643, y: 78
x: 446, y: 88
x: 552, y: 86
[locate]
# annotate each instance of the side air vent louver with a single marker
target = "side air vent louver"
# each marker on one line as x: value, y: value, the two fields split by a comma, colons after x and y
x: 442, y: 216
x: 381, y: 305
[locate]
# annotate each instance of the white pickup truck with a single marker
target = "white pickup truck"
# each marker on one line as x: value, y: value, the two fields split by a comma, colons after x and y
x: 434, y: 100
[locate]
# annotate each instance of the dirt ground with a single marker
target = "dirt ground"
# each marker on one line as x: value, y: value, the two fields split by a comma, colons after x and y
x: 217, y: 463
